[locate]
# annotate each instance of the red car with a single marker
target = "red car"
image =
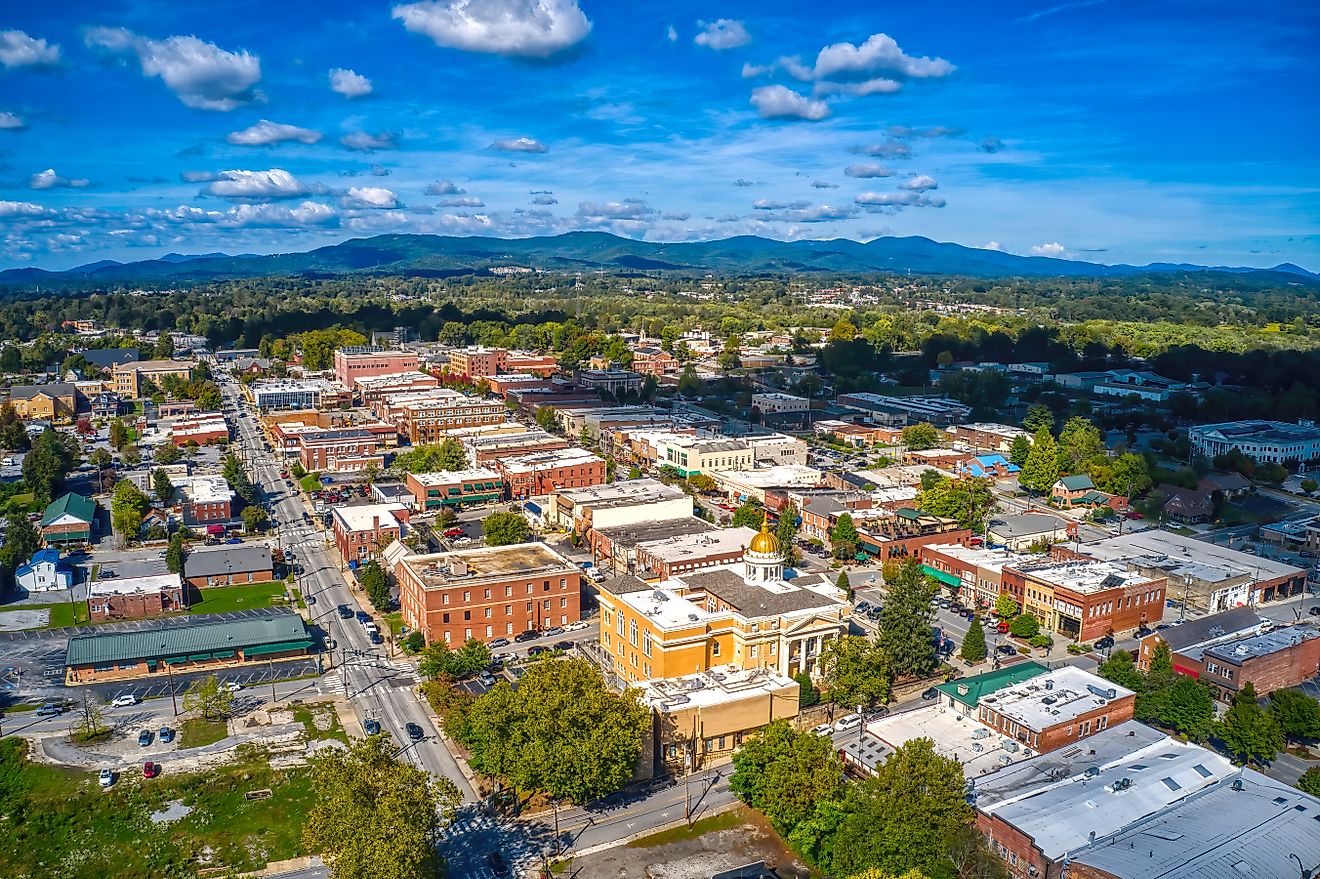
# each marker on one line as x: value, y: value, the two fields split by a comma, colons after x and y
x: 1002, y: 628
x: 453, y: 532
x: 150, y: 770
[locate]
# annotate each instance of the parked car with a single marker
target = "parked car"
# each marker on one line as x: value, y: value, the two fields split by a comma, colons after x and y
x: 847, y: 722
x: 824, y: 729
x: 537, y: 650
x: 930, y: 693
x: 166, y: 735
x: 124, y: 700
x: 454, y: 532
x: 1104, y: 643
x: 106, y: 777
x: 50, y: 709
x: 374, y: 637
x: 150, y: 770
x: 233, y: 686
x: 344, y: 612
x: 1007, y: 649
x: 577, y: 627
x: 414, y: 731
x: 1002, y: 628
x: 563, y: 645
x: 553, y: 632
x: 363, y: 616
x: 106, y: 574
x: 235, y: 541
x: 371, y: 727
x: 529, y: 635
x: 144, y: 738
x: 486, y: 679
x: 499, y: 642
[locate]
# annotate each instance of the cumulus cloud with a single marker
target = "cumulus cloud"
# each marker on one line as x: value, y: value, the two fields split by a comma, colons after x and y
x: 671, y: 34
x: 462, y: 201
x: 544, y: 198
x: 779, y: 102
x: 919, y: 183
x: 868, y: 169
x: 889, y: 150
x: 520, y: 145
x: 879, y: 53
x: 370, y: 197
x: 443, y: 187
x: 518, y: 28
x: 932, y: 131
x: 349, y: 83
x: 894, y: 201
x: 990, y: 145
x: 675, y: 216
x: 363, y: 142
x: 594, y: 213
x: 202, y: 75
x: 1054, y: 248
x: 20, y: 49
x: 254, y: 216
x: 750, y: 70
x: 275, y: 183
x: 993, y: 245
x: 822, y: 184
x: 21, y: 209
x: 879, y: 86
x: 48, y: 179
x: 722, y: 33
x: 769, y: 204
x: 266, y: 133
x: 10, y: 122
x: 813, y: 214
x: 198, y: 176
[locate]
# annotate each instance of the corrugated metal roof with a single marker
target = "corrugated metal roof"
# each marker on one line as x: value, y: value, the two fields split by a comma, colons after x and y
x: 75, y: 505
x: 228, y: 559
x: 187, y: 639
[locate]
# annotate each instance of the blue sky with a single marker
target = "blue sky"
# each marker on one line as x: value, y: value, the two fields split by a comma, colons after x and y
x: 1096, y: 129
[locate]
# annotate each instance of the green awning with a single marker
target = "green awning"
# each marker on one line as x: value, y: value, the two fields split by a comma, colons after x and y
x: 198, y: 657
x: 277, y: 647
x: 175, y: 660
x: 151, y: 664
x: 946, y: 579
x: 223, y: 654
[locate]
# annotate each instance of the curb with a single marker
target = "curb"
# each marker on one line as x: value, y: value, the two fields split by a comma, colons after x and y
x: 633, y: 837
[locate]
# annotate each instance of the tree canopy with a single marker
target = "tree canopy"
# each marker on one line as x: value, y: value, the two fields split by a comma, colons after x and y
x: 905, y: 623
x: 784, y: 773
x: 504, y: 528
x: 855, y: 671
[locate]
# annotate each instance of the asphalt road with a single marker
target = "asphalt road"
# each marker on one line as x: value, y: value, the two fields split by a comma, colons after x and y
x: 376, y: 686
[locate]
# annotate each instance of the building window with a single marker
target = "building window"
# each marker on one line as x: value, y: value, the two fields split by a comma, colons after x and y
x: 488, y: 593
x: 619, y: 621
x: 632, y: 632
x: 715, y: 648
x: 467, y: 596
x: 444, y: 599
x: 445, y: 618
x: 646, y: 644
x: 508, y: 591
x: 488, y: 610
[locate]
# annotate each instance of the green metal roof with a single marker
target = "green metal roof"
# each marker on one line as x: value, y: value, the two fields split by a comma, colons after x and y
x: 74, y: 505
x: 990, y: 682
x: 1077, y: 482
x: 186, y: 640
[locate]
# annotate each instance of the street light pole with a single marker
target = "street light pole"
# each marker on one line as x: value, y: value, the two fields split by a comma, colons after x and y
x: 169, y: 673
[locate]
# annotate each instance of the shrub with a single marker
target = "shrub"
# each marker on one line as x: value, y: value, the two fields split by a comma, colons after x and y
x: 1041, y: 640
x: 1024, y: 626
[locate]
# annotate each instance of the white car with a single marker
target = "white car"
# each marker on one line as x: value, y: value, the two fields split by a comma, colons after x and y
x: 106, y: 777
x: 825, y: 729
x: 233, y: 686
x: 576, y: 627
x: 847, y: 722
x: 124, y: 701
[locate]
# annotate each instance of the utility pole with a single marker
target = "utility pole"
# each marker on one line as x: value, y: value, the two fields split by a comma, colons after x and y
x: 169, y: 673
x: 270, y: 663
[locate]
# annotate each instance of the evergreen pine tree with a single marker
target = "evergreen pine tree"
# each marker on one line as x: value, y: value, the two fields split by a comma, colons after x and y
x: 973, y: 646
x: 1042, y: 468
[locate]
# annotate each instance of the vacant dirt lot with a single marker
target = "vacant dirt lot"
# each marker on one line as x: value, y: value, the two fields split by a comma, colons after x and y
x: 720, y: 843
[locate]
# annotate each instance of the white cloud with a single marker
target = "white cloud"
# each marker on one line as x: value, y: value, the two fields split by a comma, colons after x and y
x: 723, y: 33
x: 275, y: 183
x: 778, y: 102
x: 443, y: 187
x: 198, y: 176
x: 671, y: 34
x: 363, y: 142
x: 890, y: 150
x: 21, y: 209
x: 19, y: 49
x: 818, y: 214
x: 880, y: 52
x: 750, y: 70
x: 628, y: 209
x: 349, y: 83
x: 520, y: 28
x: 769, y: 204
x: 520, y: 145
x: 462, y: 201
x: 869, y: 169
x: 265, y: 133
x: 202, y: 75
x: 48, y: 179
x: 898, y: 200
x: 249, y: 216
x: 544, y: 198
x: 1054, y: 248
x: 879, y: 86
x: 10, y: 122
x: 919, y: 183
x: 370, y: 197
x: 994, y: 245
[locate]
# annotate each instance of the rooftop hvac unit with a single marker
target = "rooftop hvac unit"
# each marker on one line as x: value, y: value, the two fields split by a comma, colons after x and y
x: 1049, y: 685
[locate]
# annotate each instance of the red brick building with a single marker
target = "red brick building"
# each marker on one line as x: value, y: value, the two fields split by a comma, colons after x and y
x: 1085, y: 600
x: 454, y: 488
x: 202, y: 428
x: 354, y: 363
x: 336, y: 451
x: 653, y: 361
x: 362, y: 531
x: 545, y: 472
x: 1273, y: 660
x: 487, y: 593
x: 134, y: 598
x: 1056, y: 709
x: 478, y: 361
x: 543, y: 365
x: 207, y: 502
x: 902, y: 533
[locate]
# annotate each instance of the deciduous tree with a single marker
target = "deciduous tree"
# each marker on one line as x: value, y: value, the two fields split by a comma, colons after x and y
x: 784, y: 773
x: 921, y: 436
x: 1249, y: 732
x: 505, y: 528
x: 1005, y: 606
x: 127, y: 508
x: 375, y: 584
x: 375, y: 816
x: 208, y: 697
x: 855, y: 671
x: 1297, y: 714
x: 844, y: 538
x: 1042, y: 468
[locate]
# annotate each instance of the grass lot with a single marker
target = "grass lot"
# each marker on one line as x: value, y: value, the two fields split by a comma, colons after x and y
x: 311, y: 482
x: 60, y: 823
x: 723, y: 821
x: 224, y: 599
x: 394, y: 621
x: 329, y: 728
x: 61, y: 614
x: 195, y: 732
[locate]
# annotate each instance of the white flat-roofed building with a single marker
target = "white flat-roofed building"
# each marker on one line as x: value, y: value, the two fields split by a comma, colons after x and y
x: 753, y: 484
x: 779, y: 402
x: 777, y: 448
x: 278, y: 394
x: 670, y: 556
x: 1056, y: 709
x: 1265, y: 442
x: 373, y: 387
x: 956, y: 737
x: 939, y: 411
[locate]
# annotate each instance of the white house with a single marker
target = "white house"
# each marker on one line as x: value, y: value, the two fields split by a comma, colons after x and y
x: 44, y: 573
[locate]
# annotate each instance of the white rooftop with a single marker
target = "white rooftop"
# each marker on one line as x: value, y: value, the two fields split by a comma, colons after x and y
x: 360, y: 518
x: 1085, y: 576
x: 771, y: 477
x: 667, y: 609
x: 691, y: 546
x: 534, y: 461
x: 204, y: 489
x: 449, y: 477
x: 718, y: 686
x: 989, y: 559
x: 1054, y: 698
x: 978, y: 748
x: 148, y: 585
x: 1171, y: 551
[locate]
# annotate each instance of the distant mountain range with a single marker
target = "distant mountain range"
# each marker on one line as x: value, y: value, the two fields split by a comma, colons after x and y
x: 587, y: 251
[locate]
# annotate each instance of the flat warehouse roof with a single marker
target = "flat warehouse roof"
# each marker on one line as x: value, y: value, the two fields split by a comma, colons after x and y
x: 186, y: 639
